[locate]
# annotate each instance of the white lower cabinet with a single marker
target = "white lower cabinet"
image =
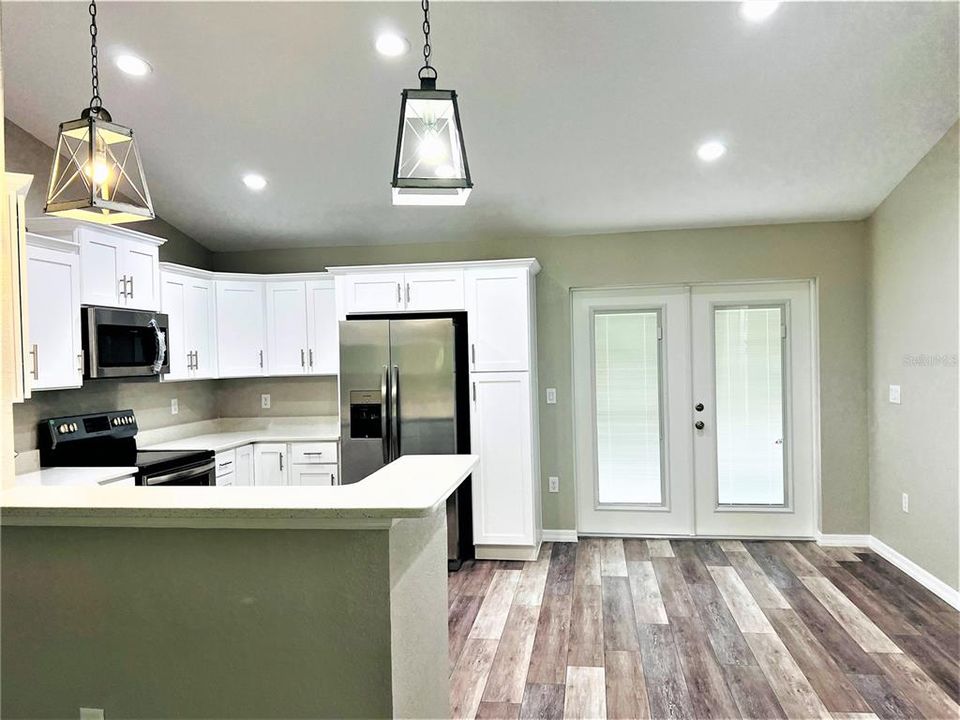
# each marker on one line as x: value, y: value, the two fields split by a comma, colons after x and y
x: 270, y: 466
x: 313, y: 463
x: 501, y: 424
x: 226, y: 465
x: 53, y: 357
x: 313, y: 474
x: 244, y: 473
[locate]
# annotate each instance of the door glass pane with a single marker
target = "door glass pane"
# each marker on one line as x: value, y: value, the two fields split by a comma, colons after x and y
x: 627, y: 382
x: 749, y: 367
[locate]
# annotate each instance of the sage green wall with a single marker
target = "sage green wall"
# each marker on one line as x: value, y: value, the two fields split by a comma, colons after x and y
x: 913, y: 238
x: 835, y: 253
x: 26, y: 154
x: 181, y: 623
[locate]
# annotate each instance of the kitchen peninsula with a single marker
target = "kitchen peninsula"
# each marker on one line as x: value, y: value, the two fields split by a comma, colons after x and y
x: 230, y: 601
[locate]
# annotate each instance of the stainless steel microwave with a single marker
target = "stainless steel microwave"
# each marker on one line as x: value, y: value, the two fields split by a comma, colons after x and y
x: 124, y: 343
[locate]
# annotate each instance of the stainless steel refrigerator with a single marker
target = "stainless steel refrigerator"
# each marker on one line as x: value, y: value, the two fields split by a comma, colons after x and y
x: 403, y: 391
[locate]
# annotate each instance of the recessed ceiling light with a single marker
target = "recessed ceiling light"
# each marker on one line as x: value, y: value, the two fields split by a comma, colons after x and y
x: 391, y: 45
x: 132, y: 65
x: 710, y: 151
x: 758, y: 10
x: 254, y: 181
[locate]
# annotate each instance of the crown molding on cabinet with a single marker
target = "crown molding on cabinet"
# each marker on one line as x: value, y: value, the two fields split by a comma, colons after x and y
x: 531, y: 264
x: 60, y: 228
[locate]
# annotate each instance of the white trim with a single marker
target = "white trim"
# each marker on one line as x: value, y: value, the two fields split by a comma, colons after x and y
x: 930, y: 581
x: 559, y: 535
x: 67, y: 227
x: 531, y: 264
x: 525, y: 553
x: 862, y: 541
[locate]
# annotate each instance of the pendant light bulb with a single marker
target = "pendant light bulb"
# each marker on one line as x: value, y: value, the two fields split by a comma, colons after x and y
x: 432, y: 149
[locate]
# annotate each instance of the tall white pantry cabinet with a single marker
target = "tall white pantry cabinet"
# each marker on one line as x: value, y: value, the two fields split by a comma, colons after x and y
x: 499, y: 298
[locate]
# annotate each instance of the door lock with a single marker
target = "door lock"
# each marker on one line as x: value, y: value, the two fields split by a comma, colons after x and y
x: 698, y: 425
x: 698, y: 407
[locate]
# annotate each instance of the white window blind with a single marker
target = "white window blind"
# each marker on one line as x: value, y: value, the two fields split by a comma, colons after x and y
x: 749, y: 382
x: 627, y: 405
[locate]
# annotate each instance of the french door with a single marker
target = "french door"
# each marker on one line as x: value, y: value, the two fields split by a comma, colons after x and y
x: 693, y: 410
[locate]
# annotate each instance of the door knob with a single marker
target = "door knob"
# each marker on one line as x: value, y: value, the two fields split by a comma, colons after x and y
x: 698, y: 424
x: 698, y: 407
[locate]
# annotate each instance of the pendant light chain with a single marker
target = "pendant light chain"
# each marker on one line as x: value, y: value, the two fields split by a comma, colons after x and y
x: 427, y: 49
x: 96, y: 103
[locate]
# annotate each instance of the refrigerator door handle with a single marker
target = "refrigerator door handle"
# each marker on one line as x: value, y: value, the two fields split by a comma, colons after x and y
x: 384, y: 414
x: 395, y: 411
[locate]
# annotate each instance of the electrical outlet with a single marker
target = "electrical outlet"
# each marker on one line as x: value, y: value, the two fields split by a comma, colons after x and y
x: 174, y: 406
x: 551, y: 396
x: 905, y: 502
x: 91, y: 713
x: 895, y: 394
x: 554, y: 483
x: 265, y: 401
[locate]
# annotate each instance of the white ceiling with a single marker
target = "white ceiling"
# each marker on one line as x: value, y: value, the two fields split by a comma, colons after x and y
x: 578, y: 117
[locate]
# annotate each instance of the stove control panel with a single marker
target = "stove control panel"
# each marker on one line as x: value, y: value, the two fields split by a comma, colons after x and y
x: 113, y: 424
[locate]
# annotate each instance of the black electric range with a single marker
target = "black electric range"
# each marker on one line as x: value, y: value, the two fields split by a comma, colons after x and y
x: 109, y: 440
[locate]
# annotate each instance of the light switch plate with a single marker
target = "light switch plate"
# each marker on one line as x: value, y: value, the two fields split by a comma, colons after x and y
x: 905, y: 502
x: 265, y: 401
x: 551, y: 396
x: 174, y: 406
x: 553, y: 483
x: 895, y: 394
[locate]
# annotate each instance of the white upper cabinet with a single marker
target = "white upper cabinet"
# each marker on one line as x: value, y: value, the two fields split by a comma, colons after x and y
x: 190, y: 305
x: 323, y: 345
x: 54, y: 352
x: 501, y: 427
x: 287, y: 327
x: 375, y: 292
x: 498, y: 304
x: 428, y: 290
x: 241, y: 328
x: 119, y: 270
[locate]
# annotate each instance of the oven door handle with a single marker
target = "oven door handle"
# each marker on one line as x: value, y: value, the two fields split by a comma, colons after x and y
x: 179, y: 474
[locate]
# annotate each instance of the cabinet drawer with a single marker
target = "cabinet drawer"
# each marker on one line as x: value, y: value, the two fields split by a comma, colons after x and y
x: 226, y: 463
x: 226, y: 479
x: 313, y: 453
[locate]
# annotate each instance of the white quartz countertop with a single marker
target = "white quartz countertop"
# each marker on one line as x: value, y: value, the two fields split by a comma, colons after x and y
x: 74, y: 476
x: 412, y: 486
x: 318, y: 430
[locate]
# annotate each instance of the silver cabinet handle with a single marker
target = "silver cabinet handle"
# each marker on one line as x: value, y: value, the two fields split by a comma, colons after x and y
x: 474, y: 394
x: 190, y: 360
x: 123, y: 286
x: 36, y: 362
x: 80, y: 362
x: 303, y: 358
x: 473, y: 354
x: 281, y: 462
x: 226, y: 464
x: 130, y: 279
x: 312, y: 453
x: 261, y: 358
x: 398, y: 294
x: 311, y: 357
x: 408, y: 292
x: 196, y: 359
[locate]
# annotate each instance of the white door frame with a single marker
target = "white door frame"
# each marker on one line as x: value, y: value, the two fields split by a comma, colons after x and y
x: 582, y: 401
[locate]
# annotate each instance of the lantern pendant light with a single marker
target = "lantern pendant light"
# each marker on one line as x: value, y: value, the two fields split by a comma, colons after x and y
x: 431, y: 164
x: 97, y: 175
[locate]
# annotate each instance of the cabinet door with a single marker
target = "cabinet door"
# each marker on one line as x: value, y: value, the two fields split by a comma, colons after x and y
x: 270, y: 464
x: 313, y: 474
x: 379, y: 292
x: 226, y: 480
x: 433, y: 290
x: 53, y: 353
x: 173, y: 302
x: 244, y: 473
x: 240, y: 329
x: 101, y: 268
x: 287, y: 327
x: 140, y: 265
x: 503, y: 512
x: 498, y: 318
x: 323, y: 351
x: 201, y: 327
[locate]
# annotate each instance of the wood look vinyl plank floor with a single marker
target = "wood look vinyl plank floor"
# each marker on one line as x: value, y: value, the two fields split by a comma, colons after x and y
x: 653, y: 628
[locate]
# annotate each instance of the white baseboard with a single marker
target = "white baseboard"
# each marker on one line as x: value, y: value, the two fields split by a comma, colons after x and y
x: 560, y: 535
x: 930, y: 581
x: 844, y: 540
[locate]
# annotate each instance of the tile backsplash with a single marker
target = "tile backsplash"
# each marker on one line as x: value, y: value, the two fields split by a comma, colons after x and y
x: 197, y: 400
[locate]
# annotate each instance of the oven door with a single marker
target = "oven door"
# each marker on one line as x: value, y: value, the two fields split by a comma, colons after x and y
x: 124, y: 343
x: 201, y: 474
